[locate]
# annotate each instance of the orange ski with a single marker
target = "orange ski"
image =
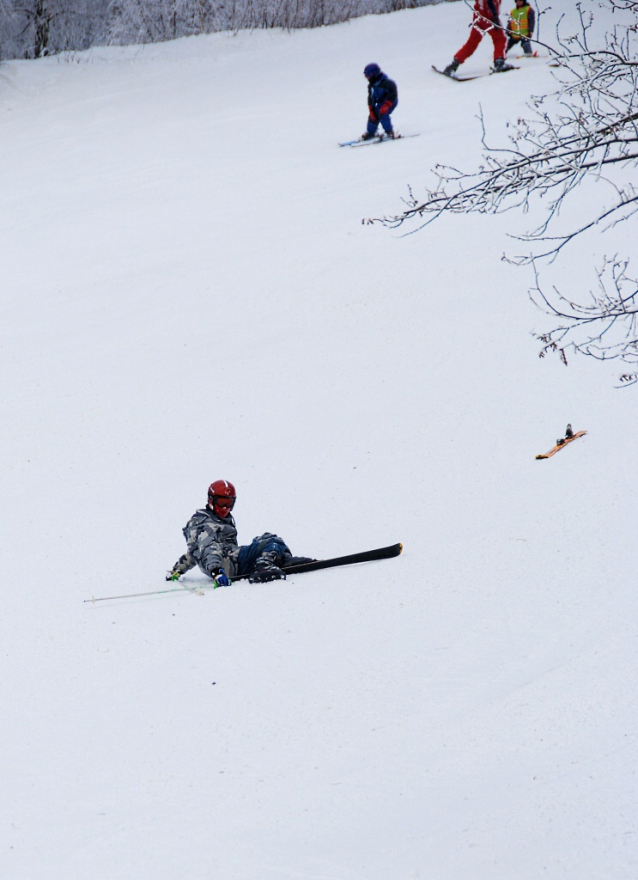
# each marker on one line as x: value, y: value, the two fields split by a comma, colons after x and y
x: 561, y: 444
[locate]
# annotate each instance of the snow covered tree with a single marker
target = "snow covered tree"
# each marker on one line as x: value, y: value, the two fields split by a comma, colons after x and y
x: 576, y: 151
x: 35, y: 28
x: 151, y: 21
x: 147, y: 21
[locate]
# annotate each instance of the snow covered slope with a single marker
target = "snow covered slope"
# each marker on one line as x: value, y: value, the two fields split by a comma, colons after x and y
x: 188, y: 293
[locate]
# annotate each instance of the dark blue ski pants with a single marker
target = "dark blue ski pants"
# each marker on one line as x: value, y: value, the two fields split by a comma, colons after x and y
x: 250, y: 553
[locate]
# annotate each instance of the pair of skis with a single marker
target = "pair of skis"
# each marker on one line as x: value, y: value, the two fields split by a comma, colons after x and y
x: 475, y: 76
x: 377, y: 139
x: 367, y: 556
x: 569, y: 437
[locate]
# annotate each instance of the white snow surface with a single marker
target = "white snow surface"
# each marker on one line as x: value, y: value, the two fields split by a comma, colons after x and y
x: 188, y: 293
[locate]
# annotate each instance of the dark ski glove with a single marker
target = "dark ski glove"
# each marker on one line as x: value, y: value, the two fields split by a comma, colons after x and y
x: 221, y: 579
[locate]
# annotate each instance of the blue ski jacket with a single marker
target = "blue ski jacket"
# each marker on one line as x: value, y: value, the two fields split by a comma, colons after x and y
x: 383, y: 95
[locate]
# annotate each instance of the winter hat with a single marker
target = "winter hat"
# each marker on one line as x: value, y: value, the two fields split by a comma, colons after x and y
x: 371, y: 70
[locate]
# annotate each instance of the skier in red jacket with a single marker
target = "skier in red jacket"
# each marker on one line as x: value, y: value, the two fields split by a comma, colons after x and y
x: 485, y: 21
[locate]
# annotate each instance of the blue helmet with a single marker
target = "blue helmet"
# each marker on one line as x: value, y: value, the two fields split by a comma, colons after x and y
x: 371, y: 70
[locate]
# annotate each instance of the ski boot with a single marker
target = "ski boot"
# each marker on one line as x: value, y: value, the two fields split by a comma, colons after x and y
x: 500, y: 66
x: 267, y: 569
x: 451, y: 69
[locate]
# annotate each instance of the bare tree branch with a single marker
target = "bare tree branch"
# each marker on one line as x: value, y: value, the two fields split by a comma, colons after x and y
x: 586, y: 131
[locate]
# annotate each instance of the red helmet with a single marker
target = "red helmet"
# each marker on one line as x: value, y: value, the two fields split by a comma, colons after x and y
x: 221, y: 497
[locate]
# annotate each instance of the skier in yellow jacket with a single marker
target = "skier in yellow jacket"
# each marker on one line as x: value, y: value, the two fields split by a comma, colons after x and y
x: 520, y: 27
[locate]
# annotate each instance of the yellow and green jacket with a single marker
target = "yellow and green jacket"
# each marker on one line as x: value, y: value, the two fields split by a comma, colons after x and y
x: 521, y: 22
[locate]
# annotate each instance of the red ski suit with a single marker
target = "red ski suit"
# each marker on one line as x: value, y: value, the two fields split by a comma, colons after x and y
x: 486, y: 20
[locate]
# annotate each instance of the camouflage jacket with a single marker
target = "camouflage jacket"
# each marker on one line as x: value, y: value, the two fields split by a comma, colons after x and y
x: 211, y: 543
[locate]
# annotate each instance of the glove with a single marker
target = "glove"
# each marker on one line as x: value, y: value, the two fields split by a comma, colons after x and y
x: 263, y: 575
x: 173, y: 575
x: 374, y: 116
x: 383, y: 109
x: 221, y: 579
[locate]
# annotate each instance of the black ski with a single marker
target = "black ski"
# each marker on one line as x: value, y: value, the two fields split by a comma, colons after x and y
x: 367, y: 556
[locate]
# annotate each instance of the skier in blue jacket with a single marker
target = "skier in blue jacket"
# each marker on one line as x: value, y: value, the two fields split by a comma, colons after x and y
x: 383, y: 97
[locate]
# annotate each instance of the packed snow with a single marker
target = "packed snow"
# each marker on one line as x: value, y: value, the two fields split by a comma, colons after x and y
x: 188, y: 294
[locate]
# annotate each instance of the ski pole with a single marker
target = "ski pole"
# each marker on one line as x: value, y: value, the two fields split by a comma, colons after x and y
x: 151, y: 593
